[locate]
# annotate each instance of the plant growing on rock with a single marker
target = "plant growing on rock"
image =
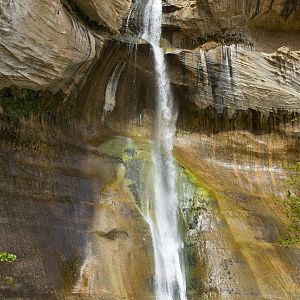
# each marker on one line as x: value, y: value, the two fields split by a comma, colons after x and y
x: 7, y: 257
x: 18, y: 103
x: 291, y: 204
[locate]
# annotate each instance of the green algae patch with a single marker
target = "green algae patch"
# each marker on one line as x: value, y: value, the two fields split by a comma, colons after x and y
x: 113, y: 148
x: 206, y: 189
x: 193, y: 198
x: 286, y: 242
x: 291, y: 205
x: 135, y: 156
x: 126, y: 149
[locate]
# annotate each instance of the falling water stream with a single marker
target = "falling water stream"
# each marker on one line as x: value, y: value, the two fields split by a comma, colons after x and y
x: 162, y: 214
x: 161, y: 211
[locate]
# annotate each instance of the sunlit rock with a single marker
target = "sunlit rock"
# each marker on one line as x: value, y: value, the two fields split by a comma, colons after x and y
x: 42, y: 46
x: 109, y: 13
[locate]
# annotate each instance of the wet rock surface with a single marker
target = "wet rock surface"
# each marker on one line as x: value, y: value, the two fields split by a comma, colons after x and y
x: 46, y: 206
x: 66, y: 214
x: 239, y: 242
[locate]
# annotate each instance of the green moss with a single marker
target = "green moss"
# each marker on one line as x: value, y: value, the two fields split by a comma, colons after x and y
x: 126, y: 150
x: 18, y: 103
x: 291, y: 205
x: 206, y: 190
x: 287, y: 241
x: 194, y: 200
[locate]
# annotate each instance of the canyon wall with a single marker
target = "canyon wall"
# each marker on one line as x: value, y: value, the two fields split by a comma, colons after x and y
x: 74, y: 75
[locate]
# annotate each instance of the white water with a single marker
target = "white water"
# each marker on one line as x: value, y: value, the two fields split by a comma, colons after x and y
x: 170, y: 281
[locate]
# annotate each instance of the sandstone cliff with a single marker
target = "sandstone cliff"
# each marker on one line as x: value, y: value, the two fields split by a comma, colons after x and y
x: 194, y: 21
x: 42, y: 46
x: 71, y: 193
x: 109, y: 13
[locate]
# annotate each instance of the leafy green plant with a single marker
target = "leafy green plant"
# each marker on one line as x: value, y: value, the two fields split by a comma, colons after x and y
x: 287, y: 241
x: 291, y: 204
x: 18, y: 103
x: 7, y: 257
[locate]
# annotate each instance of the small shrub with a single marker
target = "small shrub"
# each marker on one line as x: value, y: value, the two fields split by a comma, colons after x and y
x: 18, y: 103
x: 7, y: 257
x: 285, y: 242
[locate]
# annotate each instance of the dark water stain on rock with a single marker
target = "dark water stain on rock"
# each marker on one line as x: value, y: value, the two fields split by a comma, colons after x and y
x: 46, y: 202
x: 289, y: 7
x: 257, y: 9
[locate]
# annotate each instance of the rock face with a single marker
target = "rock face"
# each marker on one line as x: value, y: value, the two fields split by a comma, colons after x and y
x: 70, y: 218
x: 235, y: 78
x: 191, y: 22
x: 71, y: 201
x: 109, y: 13
x: 42, y: 47
x: 45, y: 214
x: 221, y: 88
x: 118, y: 261
x: 237, y: 244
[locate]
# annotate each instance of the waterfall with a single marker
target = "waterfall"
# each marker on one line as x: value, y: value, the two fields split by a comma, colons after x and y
x: 170, y: 281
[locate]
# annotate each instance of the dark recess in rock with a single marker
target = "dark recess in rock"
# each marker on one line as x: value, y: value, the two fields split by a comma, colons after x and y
x: 75, y: 11
x: 210, y: 120
x: 167, y: 9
